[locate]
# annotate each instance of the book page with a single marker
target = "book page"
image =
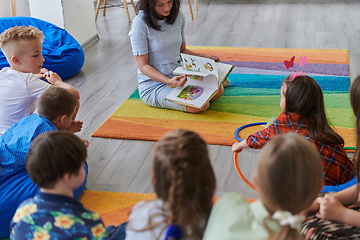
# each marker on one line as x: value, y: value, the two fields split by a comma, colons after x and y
x: 224, y: 70
x: 200, y: 79
x: 200, y: 64
x: 191, y: 95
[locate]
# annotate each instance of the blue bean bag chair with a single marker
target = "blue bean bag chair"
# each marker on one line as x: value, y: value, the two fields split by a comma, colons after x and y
x: 15, y: 188
x: 62, y: 53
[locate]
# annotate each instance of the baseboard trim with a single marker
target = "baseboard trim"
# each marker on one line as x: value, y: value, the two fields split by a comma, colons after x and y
x: 90, y: 42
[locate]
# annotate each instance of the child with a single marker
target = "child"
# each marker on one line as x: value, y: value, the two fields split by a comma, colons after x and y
x: 288, y: 177
x: 184, y: 183
x: 56, y: 164
x: 56, y: 109
x: 20, y: 84
x: 334, y: 206
x: 303, y: 112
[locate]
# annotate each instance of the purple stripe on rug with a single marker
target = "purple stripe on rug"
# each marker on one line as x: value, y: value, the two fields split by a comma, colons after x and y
x: 242, y: 70
x: 330, y: 69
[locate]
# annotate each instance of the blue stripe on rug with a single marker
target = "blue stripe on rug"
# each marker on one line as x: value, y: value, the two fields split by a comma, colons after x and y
x: 327, y: 83
x: 329, y: 69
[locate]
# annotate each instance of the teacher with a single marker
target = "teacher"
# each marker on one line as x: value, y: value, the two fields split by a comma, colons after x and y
x: 157, y: 39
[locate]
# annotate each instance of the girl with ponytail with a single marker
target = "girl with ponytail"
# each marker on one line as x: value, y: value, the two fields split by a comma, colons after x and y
x: 184, y: 183
x: 288, y: 178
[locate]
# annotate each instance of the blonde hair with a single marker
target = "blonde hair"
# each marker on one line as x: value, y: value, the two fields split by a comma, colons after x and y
x: 16, y: 35
x: 289, y: 176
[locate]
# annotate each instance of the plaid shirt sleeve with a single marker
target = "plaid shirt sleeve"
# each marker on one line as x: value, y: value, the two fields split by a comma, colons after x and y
x: 282, y: 124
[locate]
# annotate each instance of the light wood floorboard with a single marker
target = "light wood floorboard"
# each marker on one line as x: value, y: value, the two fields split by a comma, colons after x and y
x: 109, y: 76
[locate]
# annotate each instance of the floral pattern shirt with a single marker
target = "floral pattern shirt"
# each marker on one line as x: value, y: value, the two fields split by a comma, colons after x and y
x: 49, y: 216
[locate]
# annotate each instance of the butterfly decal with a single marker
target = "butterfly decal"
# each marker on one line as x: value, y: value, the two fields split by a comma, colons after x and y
x: 289, y: 64
x: 302, y: 61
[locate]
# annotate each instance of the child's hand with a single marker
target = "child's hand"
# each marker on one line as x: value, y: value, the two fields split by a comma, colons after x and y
x: 75, y: 126
x: 236, y: 147
x: 312, y: 209
x: 178, y: 81
x: 42, y: 73
x: 53, y: 78
x: 330, y: 208
x: 86, y: 142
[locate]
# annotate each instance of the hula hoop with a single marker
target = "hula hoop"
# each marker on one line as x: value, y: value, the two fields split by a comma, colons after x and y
x: 236, y: 163
x: 245, y: 126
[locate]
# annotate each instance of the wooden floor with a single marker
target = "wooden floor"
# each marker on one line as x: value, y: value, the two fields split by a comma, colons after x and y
x: 109, y: 75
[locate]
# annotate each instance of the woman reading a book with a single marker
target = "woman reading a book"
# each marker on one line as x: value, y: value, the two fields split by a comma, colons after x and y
x: 157, y: 39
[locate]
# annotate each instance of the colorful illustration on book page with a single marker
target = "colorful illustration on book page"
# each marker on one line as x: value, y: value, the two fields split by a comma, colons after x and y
x: 208, y: 66
x: 199, y: 64
x: 190, y: 92
x: 192, y: 74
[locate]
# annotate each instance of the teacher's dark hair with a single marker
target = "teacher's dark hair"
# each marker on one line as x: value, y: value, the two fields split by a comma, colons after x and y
x: 148, y: 6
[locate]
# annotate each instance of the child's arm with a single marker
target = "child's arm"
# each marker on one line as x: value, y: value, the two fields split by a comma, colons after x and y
x: 55, y: 80
x: 348, y: 196
x: 239, y: 146
x: 332, y: 209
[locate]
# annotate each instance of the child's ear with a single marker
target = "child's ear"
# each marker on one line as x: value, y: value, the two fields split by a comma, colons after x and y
x: 62, y: 118
x: 16, y: 60
x: 66, y: 177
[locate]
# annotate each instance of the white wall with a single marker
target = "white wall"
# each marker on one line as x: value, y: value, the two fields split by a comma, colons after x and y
x: 75, y: 16
x: 22, y: 8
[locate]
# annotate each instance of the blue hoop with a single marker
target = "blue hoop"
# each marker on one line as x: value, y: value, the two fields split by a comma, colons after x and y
x: 236, y: 134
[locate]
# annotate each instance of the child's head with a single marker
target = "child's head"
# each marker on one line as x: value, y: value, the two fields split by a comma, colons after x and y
x: 22, y: 47
x: 355, y: 103
x: 303, y: 96
x: 288, y: 176
x: 184, y: 178
x: 54, y: 154
x: 58, y: 105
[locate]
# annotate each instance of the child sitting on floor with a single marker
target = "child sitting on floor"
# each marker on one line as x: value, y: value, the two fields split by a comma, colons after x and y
x: 56, y: 164
x: 334, y: 219
x: 184, y: 183
x: 302, y: 103
x: 56, y: 109
x: 20, y: 84
x: 288, y: 178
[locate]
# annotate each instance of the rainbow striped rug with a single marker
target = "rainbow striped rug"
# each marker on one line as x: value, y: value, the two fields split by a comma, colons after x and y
x: 252, y: 96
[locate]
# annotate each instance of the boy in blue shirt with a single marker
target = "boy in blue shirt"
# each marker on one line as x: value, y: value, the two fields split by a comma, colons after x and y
x: 56, y: 109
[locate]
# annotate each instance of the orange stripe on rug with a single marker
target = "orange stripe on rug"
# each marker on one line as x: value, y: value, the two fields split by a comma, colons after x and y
x: 154, y: 131
x: 331, y: 56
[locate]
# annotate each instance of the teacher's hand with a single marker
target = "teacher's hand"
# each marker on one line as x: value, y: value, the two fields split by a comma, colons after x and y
x: 178, y: 81
x: 213, y: 57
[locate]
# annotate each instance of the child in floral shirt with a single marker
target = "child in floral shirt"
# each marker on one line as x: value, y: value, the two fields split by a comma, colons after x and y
x: 54, y: 213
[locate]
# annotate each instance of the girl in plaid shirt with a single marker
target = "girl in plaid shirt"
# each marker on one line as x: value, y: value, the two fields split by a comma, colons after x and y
x: 302, y: 103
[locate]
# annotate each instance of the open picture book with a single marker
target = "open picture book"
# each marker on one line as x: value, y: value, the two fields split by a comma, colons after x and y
x: 204, y: 78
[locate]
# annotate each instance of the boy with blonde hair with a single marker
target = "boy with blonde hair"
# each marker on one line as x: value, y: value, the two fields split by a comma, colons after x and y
x: 56, y: 109
x: 20, y: 84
